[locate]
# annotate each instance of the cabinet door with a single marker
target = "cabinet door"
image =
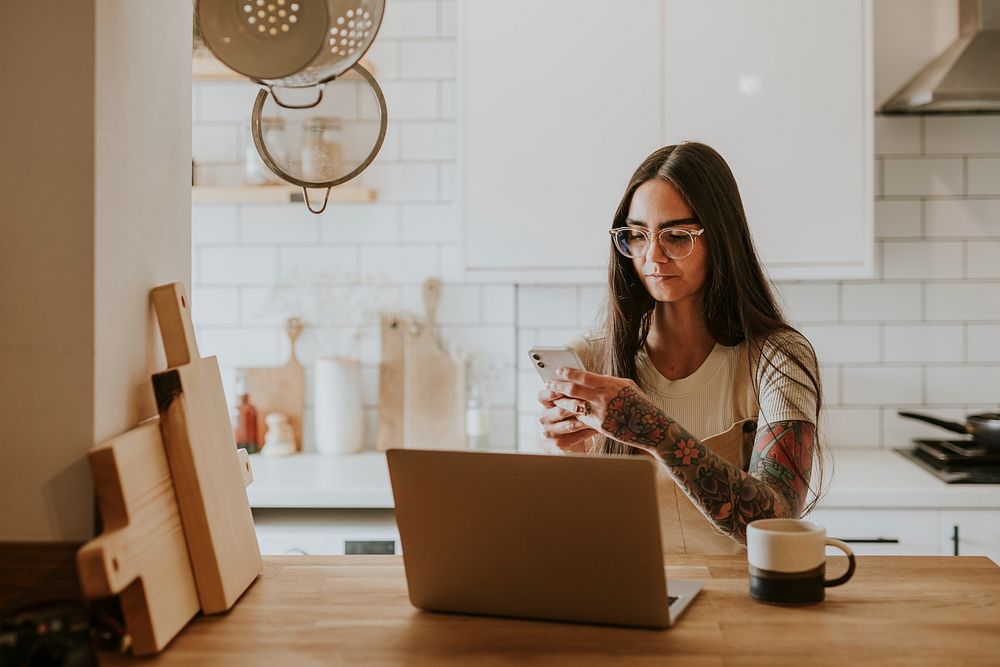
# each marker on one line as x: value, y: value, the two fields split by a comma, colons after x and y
x: 560, y: 102
x: 882, y: 531
x: 783, y: 90
x: 977, y: 532
x: 326, y: 531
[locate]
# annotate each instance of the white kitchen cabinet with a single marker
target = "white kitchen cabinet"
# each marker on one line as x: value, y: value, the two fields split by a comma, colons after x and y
x: 889, y: 531
x: 326, y: 531
x: 977, y: 533
x: 783, y: 89
x: 872, y: 532
x: 560, y: 102
x: 559, y: 105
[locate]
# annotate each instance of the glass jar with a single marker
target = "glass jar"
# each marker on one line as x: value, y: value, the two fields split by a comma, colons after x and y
x: 255, y: 172
x: 476, y: 419
x: 321, y: 153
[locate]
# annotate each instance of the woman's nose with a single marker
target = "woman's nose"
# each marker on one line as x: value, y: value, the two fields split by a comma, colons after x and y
x: 654, y: 253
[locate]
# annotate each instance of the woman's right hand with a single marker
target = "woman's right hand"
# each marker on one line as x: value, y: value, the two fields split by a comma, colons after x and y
x: 561, y: 430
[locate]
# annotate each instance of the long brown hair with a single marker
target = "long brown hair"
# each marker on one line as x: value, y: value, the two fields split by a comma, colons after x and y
x: 737, y: 298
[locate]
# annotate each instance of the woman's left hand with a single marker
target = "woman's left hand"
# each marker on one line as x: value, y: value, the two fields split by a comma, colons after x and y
x: 613, y: 406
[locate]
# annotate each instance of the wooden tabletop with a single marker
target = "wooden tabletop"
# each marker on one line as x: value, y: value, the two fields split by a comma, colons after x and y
x: 353, y: 610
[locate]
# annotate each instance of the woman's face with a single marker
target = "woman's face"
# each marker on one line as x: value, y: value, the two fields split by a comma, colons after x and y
x: 657, y: 204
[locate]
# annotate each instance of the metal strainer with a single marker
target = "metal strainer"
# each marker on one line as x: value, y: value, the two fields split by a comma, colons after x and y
x: 326, y: 143
x: 290, y: 43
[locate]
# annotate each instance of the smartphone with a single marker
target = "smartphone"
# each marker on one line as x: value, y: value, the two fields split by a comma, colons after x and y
x: 547, y: 360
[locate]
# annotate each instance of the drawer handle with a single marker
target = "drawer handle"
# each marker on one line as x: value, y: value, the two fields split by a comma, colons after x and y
x: 369, y: 547
x: 870, y: 540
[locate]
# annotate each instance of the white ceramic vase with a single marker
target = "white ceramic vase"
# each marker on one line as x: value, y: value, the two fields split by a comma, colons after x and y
x: 338, y: 415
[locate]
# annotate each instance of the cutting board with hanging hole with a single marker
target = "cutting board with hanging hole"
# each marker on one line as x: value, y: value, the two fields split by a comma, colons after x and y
x: 280, y: 389
x: 142, y: 555
x: 433, y: 384
x: 390, y: 381
x: 201, y: 451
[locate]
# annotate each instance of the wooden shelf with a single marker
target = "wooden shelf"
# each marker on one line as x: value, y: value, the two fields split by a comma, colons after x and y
x: 206, y: 67
x: 275, y: 194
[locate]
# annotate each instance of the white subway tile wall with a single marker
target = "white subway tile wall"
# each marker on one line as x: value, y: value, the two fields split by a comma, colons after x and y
x: 984, y: 176
x: 923, y: 334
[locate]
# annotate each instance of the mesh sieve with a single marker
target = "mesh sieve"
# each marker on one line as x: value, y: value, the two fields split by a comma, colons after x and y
x: 326, y: 144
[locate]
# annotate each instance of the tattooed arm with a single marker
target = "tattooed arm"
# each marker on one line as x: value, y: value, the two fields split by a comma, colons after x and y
x: 775, y: 485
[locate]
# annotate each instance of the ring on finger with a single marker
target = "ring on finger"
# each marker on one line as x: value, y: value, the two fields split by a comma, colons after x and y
x: 583, y: 408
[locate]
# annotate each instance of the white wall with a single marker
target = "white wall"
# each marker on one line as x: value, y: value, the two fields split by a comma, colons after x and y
x: 94, y: 211
x: 920, y: 335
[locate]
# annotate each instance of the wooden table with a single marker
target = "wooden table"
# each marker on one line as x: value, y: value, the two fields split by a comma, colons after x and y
x: 353, y: 610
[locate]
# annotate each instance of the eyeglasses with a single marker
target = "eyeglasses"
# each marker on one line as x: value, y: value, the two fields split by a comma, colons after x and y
x: 675, y: 242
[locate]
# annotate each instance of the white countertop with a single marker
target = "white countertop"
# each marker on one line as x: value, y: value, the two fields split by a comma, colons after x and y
x: 883, y: 478
x: 864, y: 478
x: 315, y: 480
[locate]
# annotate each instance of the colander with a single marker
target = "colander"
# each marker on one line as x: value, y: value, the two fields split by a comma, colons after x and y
x: 355, y: 114
x: 290, y: 43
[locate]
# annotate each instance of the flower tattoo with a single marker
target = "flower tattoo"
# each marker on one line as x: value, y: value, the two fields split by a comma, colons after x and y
x: 685, y: 452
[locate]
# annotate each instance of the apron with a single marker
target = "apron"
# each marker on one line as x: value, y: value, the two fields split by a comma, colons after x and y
x: 683, y: 527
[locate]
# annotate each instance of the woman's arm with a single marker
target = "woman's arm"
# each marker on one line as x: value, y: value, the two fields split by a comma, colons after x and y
x: 778, y: 477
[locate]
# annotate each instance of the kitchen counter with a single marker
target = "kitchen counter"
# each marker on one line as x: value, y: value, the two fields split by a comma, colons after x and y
x: 311, y: 480
x: 863, y: 478
x: 354, y: 610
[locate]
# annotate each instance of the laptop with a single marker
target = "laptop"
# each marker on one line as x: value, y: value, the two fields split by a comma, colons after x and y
x: 561, y: 538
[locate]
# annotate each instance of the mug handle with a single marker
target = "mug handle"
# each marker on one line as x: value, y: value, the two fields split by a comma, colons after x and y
x: 842, y: 579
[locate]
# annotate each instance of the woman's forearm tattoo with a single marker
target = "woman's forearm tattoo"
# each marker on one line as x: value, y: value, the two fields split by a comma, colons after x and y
x: 728, y: 496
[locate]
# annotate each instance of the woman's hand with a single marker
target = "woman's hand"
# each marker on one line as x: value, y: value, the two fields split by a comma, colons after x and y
x: 606, y: 404
x: 561, y: 430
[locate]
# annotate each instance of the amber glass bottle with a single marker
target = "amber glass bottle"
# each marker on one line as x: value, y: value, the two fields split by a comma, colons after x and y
x: 244, y: 417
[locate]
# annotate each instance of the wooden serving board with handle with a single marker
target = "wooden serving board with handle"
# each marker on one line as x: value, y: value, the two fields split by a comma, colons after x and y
x: 390, y: 382
x: 142, y: 555
x: 280, y: 389
x: 201, y: 451
x: 433, y: 384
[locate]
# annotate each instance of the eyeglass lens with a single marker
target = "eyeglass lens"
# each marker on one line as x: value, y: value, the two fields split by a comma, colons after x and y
x: 675, y: 243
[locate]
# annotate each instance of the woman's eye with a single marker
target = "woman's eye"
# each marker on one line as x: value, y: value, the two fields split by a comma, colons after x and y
x: 677, y: 237
x: 634, y: 236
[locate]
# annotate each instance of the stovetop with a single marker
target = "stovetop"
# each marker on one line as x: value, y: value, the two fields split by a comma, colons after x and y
x: 955, y: 461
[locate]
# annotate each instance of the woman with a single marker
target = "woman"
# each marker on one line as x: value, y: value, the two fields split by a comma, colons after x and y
x: 696, y: 365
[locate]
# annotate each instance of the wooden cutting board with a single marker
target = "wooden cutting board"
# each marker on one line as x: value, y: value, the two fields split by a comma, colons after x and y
x: 201, y: 451
x: 280, y: 389
x: 390, y: 382
x: 142, y: 554
x: 433, y: 384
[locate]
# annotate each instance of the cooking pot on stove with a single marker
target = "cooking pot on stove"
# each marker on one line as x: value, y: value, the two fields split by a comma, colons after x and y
x: 983, y: 427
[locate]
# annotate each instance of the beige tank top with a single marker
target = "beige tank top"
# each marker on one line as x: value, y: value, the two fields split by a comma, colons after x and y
x: 719, y: 405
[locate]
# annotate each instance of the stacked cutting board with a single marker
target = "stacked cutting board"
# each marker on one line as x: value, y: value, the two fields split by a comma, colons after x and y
x: 179, y: 535
x: 421, y: 388
x: 280, y: 389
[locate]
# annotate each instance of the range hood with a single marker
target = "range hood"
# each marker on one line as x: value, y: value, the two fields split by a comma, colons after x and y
x: 966, y: 76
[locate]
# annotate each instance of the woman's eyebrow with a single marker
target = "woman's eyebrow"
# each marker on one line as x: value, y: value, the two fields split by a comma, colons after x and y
x: 665, y: 223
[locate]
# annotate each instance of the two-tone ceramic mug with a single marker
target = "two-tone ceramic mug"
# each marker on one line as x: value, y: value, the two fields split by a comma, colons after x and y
x: 787, y: 560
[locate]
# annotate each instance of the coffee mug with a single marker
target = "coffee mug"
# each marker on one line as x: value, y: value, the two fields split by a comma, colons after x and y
x: 788, y: 561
